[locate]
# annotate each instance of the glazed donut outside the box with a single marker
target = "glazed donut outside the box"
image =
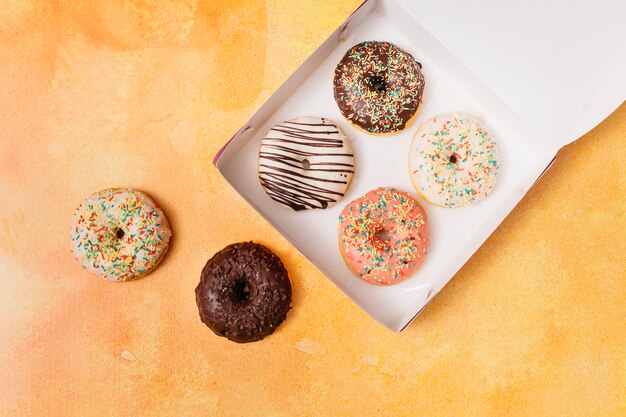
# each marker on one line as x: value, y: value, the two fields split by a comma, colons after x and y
x: 244, y: 292
x: 378, y: 87
x: 119, y: 234
x: 384, y: 236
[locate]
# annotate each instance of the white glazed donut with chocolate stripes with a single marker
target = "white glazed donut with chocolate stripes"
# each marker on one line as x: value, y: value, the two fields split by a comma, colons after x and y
x: 306, y: 163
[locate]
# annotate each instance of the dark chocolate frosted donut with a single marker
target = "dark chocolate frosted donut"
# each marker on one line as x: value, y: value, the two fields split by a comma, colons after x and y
x: 378, y: 87
x: 244, y: 292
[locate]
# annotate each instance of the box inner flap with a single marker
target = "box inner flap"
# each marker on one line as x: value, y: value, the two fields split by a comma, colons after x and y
x: 558, y: 64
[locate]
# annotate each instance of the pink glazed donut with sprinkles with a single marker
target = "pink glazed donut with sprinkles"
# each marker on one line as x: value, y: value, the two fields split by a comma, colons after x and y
x: 119, y: 234
x: 453, y: 161
x: 384, y: 236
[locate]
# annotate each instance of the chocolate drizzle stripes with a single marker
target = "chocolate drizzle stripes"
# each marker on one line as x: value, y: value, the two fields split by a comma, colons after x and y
x: 296, y: 133
x: 297, y: 196
x: 311, y: 144
x: 303, y: 153
x: 281, y: 170
x: 280, y: 158
x: 286, y: 171
x: 324, y: 122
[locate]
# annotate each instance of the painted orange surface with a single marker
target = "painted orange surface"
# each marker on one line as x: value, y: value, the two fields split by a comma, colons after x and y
x: 143, y: 94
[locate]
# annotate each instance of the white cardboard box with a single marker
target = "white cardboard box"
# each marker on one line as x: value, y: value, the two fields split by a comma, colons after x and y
x: 500, y: 63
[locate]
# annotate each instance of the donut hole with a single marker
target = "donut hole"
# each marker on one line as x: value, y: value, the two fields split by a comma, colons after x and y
x: 377, y: 83
x: 241, y: 290
x: 119, y: 233
x: 454, y: 158
x: 384, y: 235
x: 306, y: 164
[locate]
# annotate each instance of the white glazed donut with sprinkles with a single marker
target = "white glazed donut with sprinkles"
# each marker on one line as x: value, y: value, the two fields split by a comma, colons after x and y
x: 119, y: 234
x: 453, y: 161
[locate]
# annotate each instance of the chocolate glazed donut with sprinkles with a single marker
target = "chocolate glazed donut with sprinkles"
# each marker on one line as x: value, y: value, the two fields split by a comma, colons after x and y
x: 306, y: 163
x: 384, y: 236
x: 378, y: 87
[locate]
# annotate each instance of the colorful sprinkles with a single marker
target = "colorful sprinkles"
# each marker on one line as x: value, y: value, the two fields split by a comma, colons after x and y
x: 453, y: 161
x: 378, y: 87
x: 119, y: 234
x: 384, y: 236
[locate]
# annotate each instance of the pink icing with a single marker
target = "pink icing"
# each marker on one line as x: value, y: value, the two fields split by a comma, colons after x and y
x: 384, y: 236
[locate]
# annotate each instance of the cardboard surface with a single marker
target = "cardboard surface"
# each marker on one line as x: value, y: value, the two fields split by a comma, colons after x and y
x: 558, y: 64
x: 141, y: 96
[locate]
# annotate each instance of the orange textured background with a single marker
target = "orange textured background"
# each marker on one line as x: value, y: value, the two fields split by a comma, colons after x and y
x: 140, y: 94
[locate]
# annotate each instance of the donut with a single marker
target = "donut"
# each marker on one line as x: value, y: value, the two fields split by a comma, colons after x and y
x: 384, y: 236
x: 378, y: 87
x: 244, y: 292
x: 306, y: 163
x: 453, y: 161
x: 119, y: 234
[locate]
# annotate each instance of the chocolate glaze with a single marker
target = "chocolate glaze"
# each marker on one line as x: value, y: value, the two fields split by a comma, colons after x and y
x: 244, y: 292
x: 378, y: 86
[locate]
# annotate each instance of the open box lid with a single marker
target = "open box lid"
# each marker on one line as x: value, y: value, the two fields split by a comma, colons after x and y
x: 560, y: 64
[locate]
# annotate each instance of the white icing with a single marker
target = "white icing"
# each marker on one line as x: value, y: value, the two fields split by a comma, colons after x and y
x: 453, y: 162
x: 306, y: 163
x: 100, y: 248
